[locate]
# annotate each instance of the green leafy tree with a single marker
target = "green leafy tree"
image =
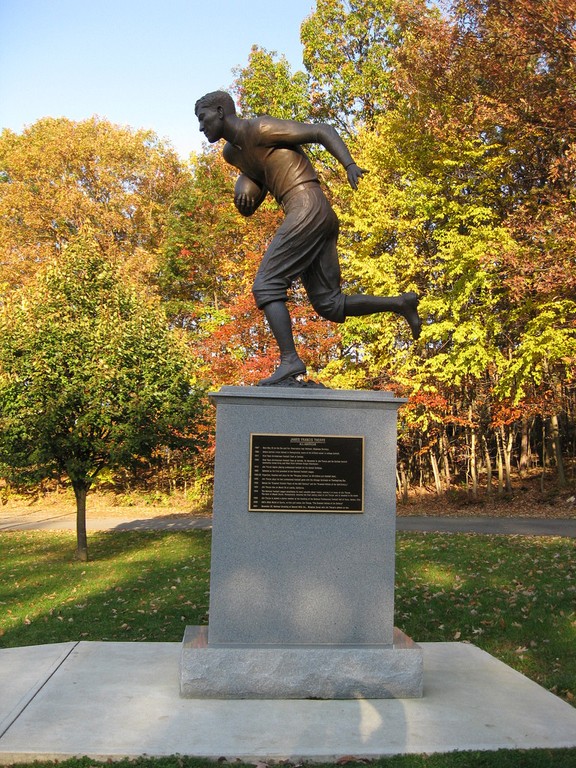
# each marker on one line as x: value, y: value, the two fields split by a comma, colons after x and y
x: 90, y: 376
x: 349, y: 56
x: 266, y: 85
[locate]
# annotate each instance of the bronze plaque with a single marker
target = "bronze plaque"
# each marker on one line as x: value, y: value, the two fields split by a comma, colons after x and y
x: 306, y: 473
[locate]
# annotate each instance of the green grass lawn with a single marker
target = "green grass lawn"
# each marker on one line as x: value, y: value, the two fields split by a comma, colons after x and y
x: 137, y: 586
x: 513, y: 596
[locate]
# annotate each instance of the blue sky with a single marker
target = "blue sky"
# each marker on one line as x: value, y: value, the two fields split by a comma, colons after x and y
x: 141, y: 63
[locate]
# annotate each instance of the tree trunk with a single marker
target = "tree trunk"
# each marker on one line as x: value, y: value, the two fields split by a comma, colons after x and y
x: 557, y: 448
x: 436, y: 471
x: 473, y: 465
x: 403, y: 482
x: 507, y: 446
x: 500, y: 463
x: 445, y: 443
x: 80, y: 492
x: 420, y: 467
x: 488, y: 462
x: 524, y: 448
x: 544, y: 456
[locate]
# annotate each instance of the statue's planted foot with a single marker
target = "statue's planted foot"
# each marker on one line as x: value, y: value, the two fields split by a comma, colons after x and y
x: 409, y: 311
x: 290, y: 368
x: 298, y: 383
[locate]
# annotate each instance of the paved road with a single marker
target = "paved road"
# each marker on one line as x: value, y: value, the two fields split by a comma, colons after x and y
x: 489, y: 525
x: 526, y: 526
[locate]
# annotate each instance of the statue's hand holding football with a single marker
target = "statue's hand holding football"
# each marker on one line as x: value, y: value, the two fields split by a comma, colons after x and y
x: 248, y: 195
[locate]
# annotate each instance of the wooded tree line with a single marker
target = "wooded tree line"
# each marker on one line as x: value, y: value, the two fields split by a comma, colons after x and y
x: 465, y: 118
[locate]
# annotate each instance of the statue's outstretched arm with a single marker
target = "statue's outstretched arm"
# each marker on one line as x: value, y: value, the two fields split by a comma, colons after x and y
x: 332, y: 141
x: 292, y: 132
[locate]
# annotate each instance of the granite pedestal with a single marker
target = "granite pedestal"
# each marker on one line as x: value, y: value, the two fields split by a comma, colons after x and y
x: 302, y: 598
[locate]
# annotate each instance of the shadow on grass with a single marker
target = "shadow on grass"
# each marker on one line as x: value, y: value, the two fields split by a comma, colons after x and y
x: 137, y: 586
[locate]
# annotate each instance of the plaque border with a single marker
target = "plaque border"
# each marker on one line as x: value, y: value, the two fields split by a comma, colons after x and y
x: 297, y: 510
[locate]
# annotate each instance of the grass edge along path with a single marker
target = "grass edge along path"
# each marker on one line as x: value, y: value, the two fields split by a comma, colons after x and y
x: 513, y: 758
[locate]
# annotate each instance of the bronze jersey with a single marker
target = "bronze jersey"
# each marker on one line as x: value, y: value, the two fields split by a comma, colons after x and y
x: 263, y: 151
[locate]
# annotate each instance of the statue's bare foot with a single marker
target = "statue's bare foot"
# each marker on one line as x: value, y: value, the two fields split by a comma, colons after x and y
x: 290, y: 366
x: 409, y: 311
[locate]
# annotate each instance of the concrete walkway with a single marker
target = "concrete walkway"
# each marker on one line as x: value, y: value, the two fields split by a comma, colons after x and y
x: 524, y: 526
x: 113, y: 700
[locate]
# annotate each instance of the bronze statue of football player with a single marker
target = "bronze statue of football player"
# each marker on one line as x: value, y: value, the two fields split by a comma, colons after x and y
x: 268, y: 153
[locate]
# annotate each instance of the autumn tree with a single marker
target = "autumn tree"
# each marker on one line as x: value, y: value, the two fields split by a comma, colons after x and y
x: 90, y: 376
x: 500, y: 79
x: 59, y: 176
x: 469, y: 195
x: 466, y: 123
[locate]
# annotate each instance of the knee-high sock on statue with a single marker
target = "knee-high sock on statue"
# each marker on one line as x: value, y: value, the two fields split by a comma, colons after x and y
x: 280, y: 324
x: 406, y: 304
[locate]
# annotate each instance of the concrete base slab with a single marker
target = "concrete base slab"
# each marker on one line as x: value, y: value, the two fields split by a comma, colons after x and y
x: 299, y: 672
x: 112, y: 700
x: 23, y: 673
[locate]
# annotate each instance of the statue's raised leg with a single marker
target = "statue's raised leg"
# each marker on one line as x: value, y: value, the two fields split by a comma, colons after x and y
x: 406, y: 304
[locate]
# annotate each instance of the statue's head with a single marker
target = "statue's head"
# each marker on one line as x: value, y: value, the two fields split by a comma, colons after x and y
x: 214, y: 100
x: 213, y: 111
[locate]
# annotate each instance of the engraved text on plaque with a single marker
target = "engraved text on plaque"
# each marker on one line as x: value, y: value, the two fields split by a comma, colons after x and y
x: 306, y: 473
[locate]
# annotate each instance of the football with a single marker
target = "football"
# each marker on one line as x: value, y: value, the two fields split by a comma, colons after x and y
x: 248, y: 194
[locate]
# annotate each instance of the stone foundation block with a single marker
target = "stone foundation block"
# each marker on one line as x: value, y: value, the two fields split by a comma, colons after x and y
x: 299, y: 672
